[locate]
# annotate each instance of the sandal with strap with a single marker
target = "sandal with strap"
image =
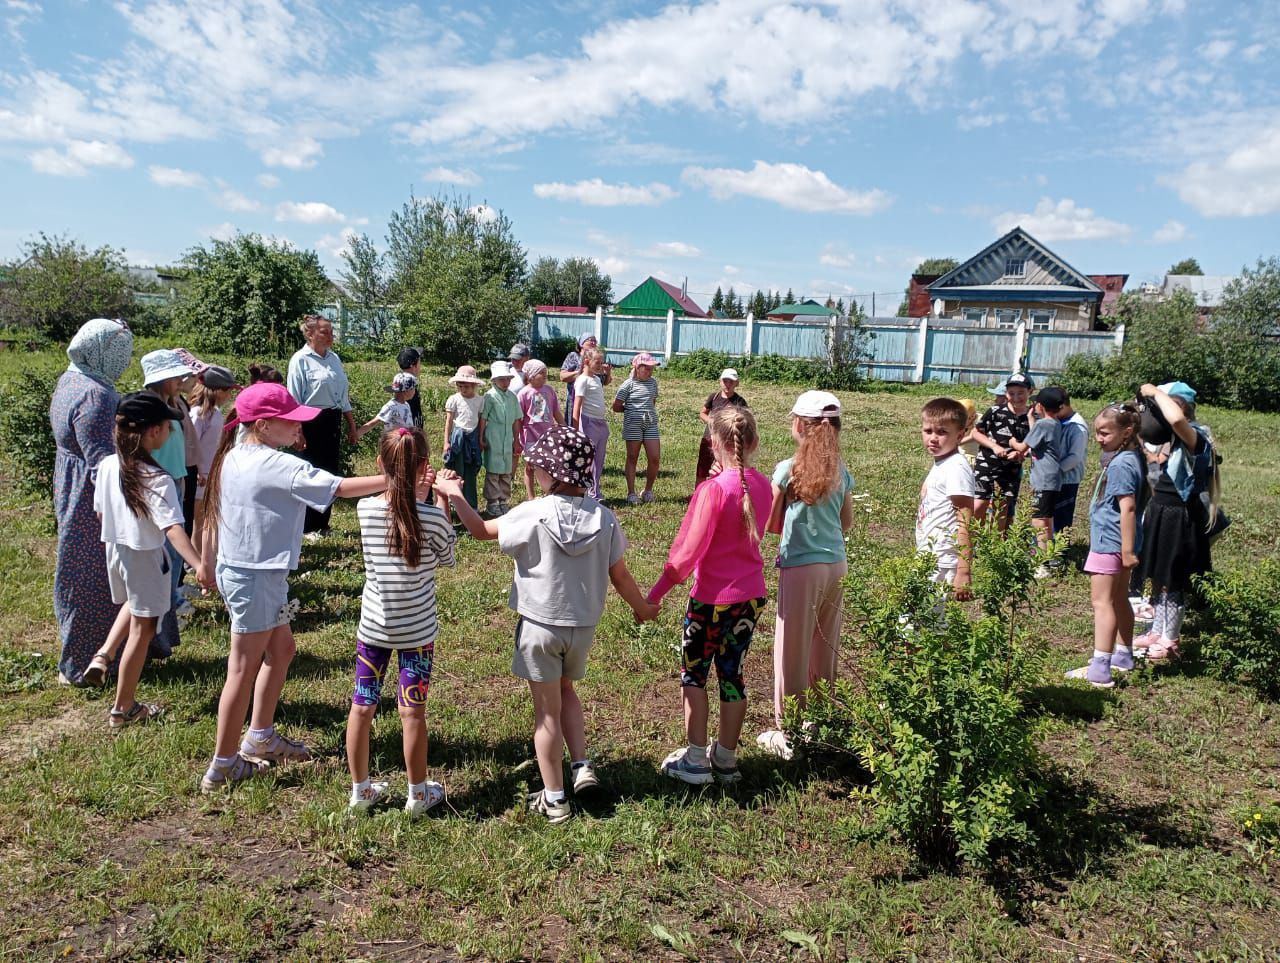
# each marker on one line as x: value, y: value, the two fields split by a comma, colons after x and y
x: 1163, y: 650
x: 96, y: 674
x: 140, y: 713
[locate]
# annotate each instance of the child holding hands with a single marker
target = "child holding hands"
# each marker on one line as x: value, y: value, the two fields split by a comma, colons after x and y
x: 946, y: 497
x: 539, y: 413
x: 501, y: 439
x: 563, y: 544
x: 396, y: 413
x: 463, y: 429
x: 719, y: 544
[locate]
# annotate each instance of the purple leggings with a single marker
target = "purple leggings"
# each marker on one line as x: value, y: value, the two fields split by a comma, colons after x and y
x: 415, y: 674
x: 597, y: 430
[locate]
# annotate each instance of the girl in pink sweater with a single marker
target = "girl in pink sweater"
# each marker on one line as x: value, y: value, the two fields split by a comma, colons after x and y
x: 719, y: 544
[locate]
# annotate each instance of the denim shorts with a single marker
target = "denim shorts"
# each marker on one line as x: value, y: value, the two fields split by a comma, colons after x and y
x: 255, y: 597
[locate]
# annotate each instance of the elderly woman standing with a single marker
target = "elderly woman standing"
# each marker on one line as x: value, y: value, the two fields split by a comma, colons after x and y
x: 316, y: 378
x: 83, y: 417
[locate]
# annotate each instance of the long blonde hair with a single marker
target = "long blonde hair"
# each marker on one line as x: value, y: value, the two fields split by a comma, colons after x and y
x: 734, y: 427
x: 815, y: 472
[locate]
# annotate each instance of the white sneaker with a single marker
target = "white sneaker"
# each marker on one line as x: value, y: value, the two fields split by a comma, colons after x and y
x: 417, y: 805
x: 1043, y: 571
x: 775, y: 741
x: 312, y: 537
x: 678, y: 766
x: 584, y: 777
x: 367, y: 798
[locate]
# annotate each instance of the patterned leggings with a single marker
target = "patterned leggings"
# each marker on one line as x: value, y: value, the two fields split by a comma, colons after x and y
x: 371, y: 666
x: 719, y: 634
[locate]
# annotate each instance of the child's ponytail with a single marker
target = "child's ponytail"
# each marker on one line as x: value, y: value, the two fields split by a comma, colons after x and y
x: 132, y: 456
x: 403, y: 452
x: 213, y: 483
x: 734, y: 427
x: 816, y: 468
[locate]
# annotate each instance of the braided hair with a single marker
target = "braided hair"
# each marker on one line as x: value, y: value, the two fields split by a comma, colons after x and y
x: 733, y: 427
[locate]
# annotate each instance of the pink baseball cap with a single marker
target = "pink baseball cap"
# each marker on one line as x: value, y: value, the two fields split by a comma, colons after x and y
x: 267, y: 400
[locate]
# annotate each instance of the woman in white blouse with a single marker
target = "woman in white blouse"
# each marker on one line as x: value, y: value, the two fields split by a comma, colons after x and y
x: 316, y: 377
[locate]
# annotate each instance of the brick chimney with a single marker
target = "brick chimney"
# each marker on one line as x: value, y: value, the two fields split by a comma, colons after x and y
x: 919, y: 304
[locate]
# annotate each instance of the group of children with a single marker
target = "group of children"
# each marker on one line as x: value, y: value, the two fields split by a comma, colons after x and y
x: 567, y: 547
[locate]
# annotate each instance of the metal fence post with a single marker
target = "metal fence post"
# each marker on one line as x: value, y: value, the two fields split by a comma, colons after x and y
x: 1019, y: 347
x: 600, y: 324
x: 1120, y: 338
x: 922, y: 350
x: 671, y: 335
x: 751, y: 327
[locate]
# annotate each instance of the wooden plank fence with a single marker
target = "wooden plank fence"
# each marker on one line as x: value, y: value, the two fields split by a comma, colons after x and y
x: 915, y: 350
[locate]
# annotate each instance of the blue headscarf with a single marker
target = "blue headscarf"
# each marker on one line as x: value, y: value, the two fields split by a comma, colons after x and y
x: 102, y: 350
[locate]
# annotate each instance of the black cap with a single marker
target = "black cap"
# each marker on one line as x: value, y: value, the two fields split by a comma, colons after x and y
x: 1051, y: 397
x: 1019, y: 381
x: 408, y: 357
x: 218, y: 378
x: 143, y: 409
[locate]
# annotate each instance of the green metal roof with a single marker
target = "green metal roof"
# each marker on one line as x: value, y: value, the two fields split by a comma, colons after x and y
x: 808, y: 309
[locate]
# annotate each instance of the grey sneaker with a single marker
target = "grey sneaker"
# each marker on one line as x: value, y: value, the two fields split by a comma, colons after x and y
x: 723, y: 774
x: 1122, y: 661
x: 646, y: 496
x: 1097, y: 673
x: 220, y: 777
x: 277, y: 749
x: 678, y: 766
x: 584, y: 777
x: 140, y: 713
x: 556, y: 812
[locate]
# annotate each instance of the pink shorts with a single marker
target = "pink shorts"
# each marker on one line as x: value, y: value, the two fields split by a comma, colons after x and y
x: 1103, y: 563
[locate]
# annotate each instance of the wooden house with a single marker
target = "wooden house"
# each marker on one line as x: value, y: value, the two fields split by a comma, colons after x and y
x: 654, y: 298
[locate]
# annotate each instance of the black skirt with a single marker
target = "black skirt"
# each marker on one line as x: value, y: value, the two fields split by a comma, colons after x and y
x: 324, y: 450
x: 1174, y: 546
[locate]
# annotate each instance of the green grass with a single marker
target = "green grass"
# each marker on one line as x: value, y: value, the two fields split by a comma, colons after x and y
x: 107, y: 849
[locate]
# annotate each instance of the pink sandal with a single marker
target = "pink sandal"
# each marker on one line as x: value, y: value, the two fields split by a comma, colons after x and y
x: 1163, y: 650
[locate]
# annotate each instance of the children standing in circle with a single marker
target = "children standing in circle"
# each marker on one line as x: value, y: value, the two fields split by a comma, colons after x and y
x: 1115, y: 541
x: 812, y: 509
x: 463, y: 426
x: 727, y: 395
x: 539, y: 413
x: 138, y: 505
x: 563, y: 544
x: 999, y: 469
x: 946, y: 497
x: 1042, y: 445
x: 255, y: 502
x: 501, y: 439
x: 214, y: 386
x: 405, y: 539
x: 589, y: 412
x: 719, y: 544
x: 1071, y: 459
x: 637, y: 401
x: 396, y: 413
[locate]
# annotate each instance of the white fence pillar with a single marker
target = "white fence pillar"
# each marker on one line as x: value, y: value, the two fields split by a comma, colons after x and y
x: 671, y: 335
x: 600, y: 325
x: 922, y: 350
x: 751, y: 327
x: 1120, y: 337
x: 1019, y: 347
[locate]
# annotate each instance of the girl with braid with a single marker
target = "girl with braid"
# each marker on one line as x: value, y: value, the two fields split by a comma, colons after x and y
x: 719, y: 544
x: 812, y: 509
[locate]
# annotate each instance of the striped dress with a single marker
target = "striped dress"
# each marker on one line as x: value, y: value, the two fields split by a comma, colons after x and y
x: 398, y: 606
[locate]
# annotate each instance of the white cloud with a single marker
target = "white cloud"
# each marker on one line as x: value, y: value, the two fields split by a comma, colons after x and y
x: 732, y: 270
x: 298, y: 154
x: 614, y: 265
x: 220, y: 232
x: 596, y: 193
x: 979, y: 121
x: 1171, y: 231
x: 1243, y: 183
x: 673, y: 249
x: 834, y: 256
x: 78, y: 156
x: 233, y: 200
x: 1062, y: 221
x: 484, y: 213
x: 335, y: 245
x: 269, y: 181
x: 449, y: 175
x: 1215, y: 50
x: 174, y: 177
x: 791, y: 185
x: 309, y: 212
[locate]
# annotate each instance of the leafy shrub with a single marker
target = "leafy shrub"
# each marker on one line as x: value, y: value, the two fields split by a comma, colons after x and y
x: 1085, y: 376
x: 552, y: 351
x: 26, y: 437
x: 703, y: 364
x: 939, y: 721
x: 1240, y: 626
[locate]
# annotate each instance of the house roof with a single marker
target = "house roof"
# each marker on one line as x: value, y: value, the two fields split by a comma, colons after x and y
x: 979, y: 273
x: 1206, y: 288
x: 806, y: 309
x: 561, y: 309
x: 690, y: 306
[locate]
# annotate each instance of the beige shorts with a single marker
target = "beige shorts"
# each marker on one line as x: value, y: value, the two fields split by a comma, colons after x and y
x: 548, y: 653
x: 139, y: 577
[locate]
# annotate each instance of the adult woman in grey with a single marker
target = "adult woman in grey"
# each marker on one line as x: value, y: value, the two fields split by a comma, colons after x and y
x: 316, y: 377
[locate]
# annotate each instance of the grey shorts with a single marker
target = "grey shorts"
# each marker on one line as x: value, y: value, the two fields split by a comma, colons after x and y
x: 139, y: 577
x: 548, y: 653
x: 255, y: 597
x: 641, y: 427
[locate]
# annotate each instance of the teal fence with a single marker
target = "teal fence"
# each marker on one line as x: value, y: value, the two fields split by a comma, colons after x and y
x: 910, y: 350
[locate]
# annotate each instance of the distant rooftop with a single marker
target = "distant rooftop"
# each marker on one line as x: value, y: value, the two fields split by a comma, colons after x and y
x: 1206, y: 288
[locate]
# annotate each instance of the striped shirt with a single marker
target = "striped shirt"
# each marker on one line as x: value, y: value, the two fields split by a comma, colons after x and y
x: 398, y: 607
x: 639, y: 399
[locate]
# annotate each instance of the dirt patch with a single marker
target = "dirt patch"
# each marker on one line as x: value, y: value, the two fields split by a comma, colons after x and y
x: 23, y: 738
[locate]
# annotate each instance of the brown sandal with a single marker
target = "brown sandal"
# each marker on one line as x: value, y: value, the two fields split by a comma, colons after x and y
x: 141, y: 712
x: 96, y: 674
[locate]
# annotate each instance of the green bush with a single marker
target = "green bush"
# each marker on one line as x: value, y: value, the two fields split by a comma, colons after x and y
x: 703, y: 364
x: 26, y: 437
x: 939, y: 717
x: 552, y: 351
x: 1240, y: 626
x: 1085, y: 376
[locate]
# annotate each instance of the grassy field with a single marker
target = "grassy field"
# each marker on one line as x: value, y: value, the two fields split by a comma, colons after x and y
x: 107, y: 849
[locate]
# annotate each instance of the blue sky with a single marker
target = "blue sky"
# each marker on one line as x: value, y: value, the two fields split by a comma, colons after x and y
x: 820, y: 147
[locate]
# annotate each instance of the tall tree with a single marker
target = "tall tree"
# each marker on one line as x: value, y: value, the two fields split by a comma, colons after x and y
x: 57, y: 284
x: 930, y: 266
x: 759, y: 306
x: 543, y: 286
x: 248, y: 294
x: 1188, y: 265
x: 584, y: 284
x: 717, y: 300
x: 731, y: 304
x: 364, y: 275
x: 791, y: 298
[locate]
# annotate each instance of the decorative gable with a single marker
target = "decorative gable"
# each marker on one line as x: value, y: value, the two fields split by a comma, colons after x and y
x: 1016, y: 260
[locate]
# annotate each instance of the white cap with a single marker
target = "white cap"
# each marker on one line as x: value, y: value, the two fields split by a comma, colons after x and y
x: 729, y: 374
x: 501, y: 369
x: 817, y: 404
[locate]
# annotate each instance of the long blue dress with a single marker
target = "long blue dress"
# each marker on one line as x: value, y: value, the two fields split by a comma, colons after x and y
x: 83, y: 414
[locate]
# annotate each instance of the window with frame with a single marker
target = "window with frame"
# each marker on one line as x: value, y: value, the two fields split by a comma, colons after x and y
x: 1042, y: 318
x: 974, y: 316
x: 1008, y: 317
x: 1015, y: 267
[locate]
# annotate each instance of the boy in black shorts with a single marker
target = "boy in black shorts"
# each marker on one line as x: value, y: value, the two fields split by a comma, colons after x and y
x: 999, y: 467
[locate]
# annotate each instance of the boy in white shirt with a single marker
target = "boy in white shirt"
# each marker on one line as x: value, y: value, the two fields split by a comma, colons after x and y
x: 946, y: 497
x: 396, y: 413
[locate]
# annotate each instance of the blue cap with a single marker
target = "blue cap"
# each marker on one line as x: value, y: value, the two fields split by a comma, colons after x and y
x: 1180, y: 389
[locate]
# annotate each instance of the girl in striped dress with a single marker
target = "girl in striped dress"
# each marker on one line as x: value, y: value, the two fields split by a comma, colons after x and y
x: 637, y: 402
x: 405, y: 540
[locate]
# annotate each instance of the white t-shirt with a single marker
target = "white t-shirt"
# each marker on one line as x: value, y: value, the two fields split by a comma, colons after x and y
x: 120, y: 526
x: 396, y: 414
x: 398, y: 607
x: 517, y: 382
x: 589, y: 389
x: 263, y: 500
x: 937, y: 521
x: 465, y: 411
